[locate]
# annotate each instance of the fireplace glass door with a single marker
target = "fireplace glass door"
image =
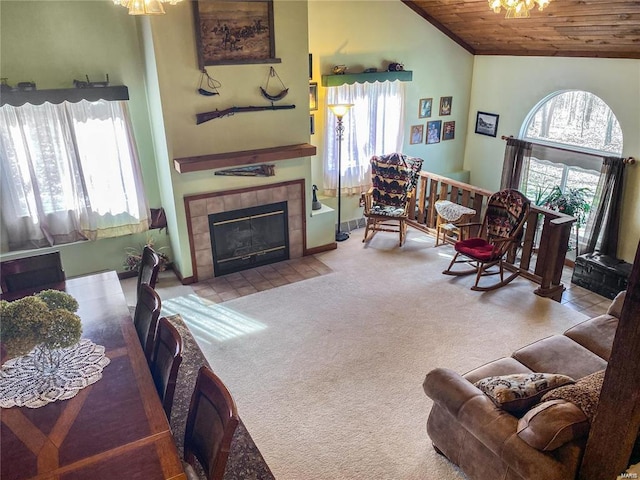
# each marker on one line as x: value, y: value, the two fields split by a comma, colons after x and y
x: 249, y: 237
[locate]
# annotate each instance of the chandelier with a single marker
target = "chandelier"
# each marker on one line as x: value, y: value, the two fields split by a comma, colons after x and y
x: 145, y: 7
x: 517, y: 8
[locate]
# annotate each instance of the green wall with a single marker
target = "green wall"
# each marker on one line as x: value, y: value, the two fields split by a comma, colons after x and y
x: 362, y: 34
x: 512, y: 86
x: 54, y: 42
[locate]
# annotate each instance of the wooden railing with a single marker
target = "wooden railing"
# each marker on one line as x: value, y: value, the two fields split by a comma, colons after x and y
x: 544, y: 242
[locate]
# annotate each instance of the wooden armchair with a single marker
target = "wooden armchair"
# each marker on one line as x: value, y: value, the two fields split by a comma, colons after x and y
x: 500, y: 232
x: 386, y: 204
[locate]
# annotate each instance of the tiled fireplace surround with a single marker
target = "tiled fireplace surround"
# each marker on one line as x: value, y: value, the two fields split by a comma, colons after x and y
x: 199, y: 207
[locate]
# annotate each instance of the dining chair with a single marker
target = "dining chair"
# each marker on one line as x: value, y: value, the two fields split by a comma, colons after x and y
x: 145, y: 318
x: 165, y: 361
x: 211, y: 422
x: 149, y: 268
x: 31, y: 272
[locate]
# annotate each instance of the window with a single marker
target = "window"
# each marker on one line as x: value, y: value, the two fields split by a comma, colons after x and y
x: 373, y: 126
x: 70, y: 172
x: 571, y: 132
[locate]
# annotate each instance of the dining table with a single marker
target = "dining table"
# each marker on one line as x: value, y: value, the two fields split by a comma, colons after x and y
x: 114, y: 428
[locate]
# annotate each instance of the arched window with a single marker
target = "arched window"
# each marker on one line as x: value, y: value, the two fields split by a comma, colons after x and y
x: 571, y: 131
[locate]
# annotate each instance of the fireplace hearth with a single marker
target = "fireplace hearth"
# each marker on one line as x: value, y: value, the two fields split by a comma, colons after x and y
x: 249, y: 237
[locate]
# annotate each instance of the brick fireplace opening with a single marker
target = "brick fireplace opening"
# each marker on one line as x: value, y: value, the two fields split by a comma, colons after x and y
x: 199, y: 208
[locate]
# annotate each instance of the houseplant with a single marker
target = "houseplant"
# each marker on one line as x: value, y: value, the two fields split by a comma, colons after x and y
x: 133, y: 259
x: 44, y: 322
x: 573, y: 201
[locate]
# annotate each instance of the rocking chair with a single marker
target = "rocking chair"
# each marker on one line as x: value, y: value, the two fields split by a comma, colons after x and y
x: 386, y: 204
x: 500, y: 232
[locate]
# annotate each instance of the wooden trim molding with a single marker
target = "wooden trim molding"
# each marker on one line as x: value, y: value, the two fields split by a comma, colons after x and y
x: 246, y: 157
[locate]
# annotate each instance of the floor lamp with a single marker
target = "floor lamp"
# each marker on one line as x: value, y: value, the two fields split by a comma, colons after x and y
x: 340, y: 110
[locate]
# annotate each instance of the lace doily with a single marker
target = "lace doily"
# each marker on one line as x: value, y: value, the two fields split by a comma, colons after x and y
x: 23, y: 384
x: 452, y: 212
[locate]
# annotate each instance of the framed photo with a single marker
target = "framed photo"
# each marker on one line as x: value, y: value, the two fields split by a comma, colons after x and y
x: 424, y: 108
x: 448, y: 130
x: 310, y: 66
x: 445, y: 105
x: 417, y: 134
x: 312, y: 124
x: 230, y: 33
x: 433, y: 131
x: 313, y: 96
x: 487, y: 124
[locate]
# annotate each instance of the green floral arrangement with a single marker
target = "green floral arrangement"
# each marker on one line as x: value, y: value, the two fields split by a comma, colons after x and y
x: 133, y: 259
x: 47, y: 318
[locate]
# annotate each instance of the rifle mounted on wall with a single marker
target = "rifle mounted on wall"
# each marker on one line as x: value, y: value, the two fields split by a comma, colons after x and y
x: 206, y: 116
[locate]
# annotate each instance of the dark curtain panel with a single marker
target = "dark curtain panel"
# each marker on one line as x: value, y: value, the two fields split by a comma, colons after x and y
x: 516, y: 159
x: 604, y: 222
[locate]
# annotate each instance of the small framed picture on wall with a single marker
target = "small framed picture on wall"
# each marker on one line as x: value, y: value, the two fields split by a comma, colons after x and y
x: 424, y: 107
x: 433, y: 131
x: 445, y: 105
x: 312, y: 124
x: 448, y: 130
x: 487, y: 124
x: 313, y: 96
x: 417, y: 134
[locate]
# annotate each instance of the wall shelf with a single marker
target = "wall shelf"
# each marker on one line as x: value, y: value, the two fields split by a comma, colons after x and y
x: 246, y: 157
x: 351, y: 78
x: 59, y: 95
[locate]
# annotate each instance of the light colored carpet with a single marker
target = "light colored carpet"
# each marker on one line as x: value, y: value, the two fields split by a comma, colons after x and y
x: 327, y: 373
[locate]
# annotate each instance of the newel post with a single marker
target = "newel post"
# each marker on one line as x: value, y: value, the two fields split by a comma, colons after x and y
x: 553, y: 247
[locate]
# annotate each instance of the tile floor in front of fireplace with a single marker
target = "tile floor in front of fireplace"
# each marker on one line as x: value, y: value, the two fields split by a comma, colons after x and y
x: 234, y: 285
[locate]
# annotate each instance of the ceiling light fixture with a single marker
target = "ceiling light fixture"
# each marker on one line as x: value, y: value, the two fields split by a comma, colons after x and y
x: 517, y: 8
x: 145, y: 7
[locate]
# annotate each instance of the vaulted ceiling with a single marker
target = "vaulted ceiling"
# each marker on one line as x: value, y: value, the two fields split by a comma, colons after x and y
x: 565, y: 28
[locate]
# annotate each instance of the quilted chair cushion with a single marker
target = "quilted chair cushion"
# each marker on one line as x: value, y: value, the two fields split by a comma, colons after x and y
x: 504, y: 212
x: 477, y: 248
x: 387, y: 210
x: 393, y: 177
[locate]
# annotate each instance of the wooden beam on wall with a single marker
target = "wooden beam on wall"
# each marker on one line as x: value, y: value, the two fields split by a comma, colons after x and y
x: 617, y: 420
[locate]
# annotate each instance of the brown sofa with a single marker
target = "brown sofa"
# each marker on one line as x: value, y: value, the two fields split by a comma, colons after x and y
x: 467, y: 427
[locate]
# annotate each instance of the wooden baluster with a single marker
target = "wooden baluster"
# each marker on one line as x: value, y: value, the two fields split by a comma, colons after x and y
x: 422, y: 210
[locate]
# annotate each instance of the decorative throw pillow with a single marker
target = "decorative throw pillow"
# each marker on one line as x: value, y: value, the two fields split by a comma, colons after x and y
x: 519, y: 391
x: 551, y: 424
x: 584, y: 393
x: 615, y: 309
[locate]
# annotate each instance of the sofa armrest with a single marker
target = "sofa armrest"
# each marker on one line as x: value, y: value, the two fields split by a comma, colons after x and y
x: 471, y: 407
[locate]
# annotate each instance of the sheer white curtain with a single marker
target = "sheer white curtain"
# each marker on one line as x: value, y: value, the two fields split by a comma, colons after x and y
x: 373, y: 126
x: 69, y: 172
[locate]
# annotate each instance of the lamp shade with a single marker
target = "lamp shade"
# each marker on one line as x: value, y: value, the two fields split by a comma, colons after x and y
x: 340, y: 109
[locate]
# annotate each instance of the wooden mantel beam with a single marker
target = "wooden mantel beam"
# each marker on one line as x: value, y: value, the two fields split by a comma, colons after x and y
x: 617, y: 420
x: 246, y: 157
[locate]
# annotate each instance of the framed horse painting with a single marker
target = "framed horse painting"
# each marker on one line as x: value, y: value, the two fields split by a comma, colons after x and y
x: 229, y: 32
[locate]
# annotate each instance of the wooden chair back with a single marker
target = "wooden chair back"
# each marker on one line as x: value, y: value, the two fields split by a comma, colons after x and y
x: 149, y: 268
x: 211, y: 422
x: 504, y: 218
x: 146, y: 317
x: 165, y: 361
x: 31, y: 272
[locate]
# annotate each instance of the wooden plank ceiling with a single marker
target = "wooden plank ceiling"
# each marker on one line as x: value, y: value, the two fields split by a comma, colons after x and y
x: 565, y: 28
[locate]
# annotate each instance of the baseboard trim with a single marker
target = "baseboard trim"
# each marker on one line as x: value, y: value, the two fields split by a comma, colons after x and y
x: 320, y: 249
